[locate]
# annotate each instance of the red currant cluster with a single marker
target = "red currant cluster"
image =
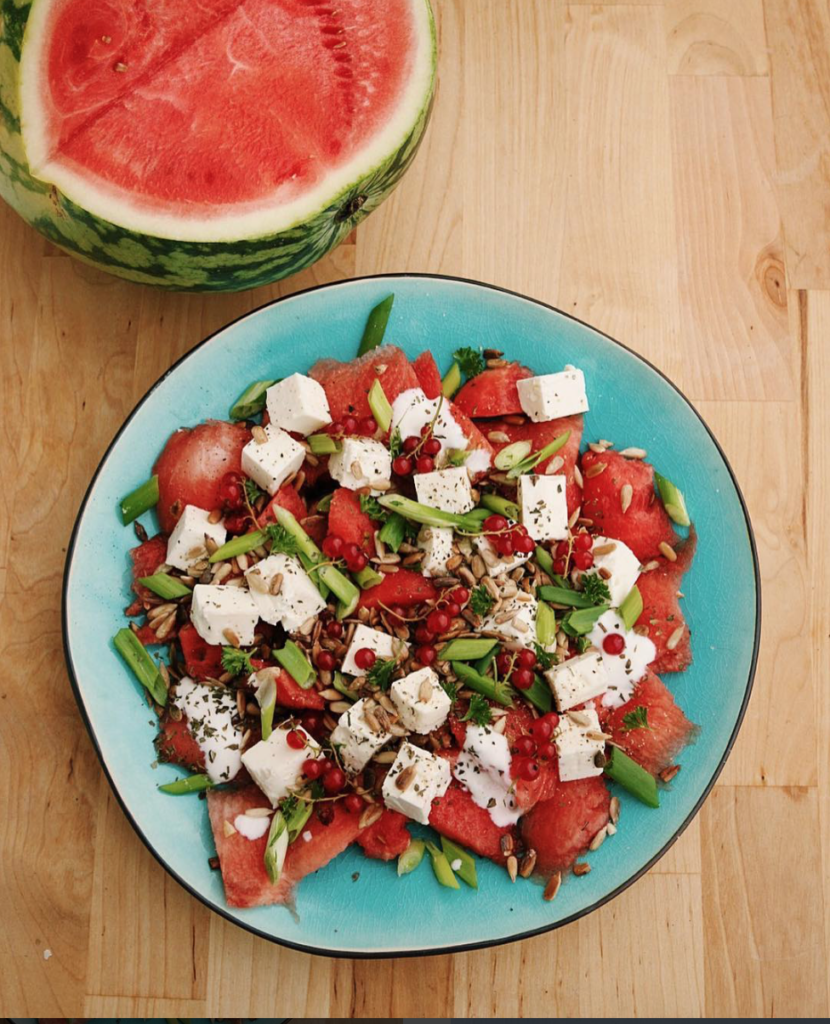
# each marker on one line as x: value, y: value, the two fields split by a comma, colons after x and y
x: 330, y: 775
x: 351, y: 425
x: 335, y: 548
x: 574, y: 553
x: 438, y: 621
x: 535, y: 744
x: 231, y: 499
x: 518, y: 667
x: 507, y: 539
x: 418, y: 453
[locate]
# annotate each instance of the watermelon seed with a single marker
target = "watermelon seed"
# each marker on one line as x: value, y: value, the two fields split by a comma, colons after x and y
x: 667, y: 774
x: 626, y: 494
x: 582, y: 868
x: 668, y: 551
x: 120, y: 67
x: 552, y: 888
x: 598, y: 839
x: 614, y: 809
x: 675, y: 638
x: 512, y: 867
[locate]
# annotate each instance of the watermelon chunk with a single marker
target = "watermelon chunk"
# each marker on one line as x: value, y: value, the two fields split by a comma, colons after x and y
x: 456, y: 816
x: 146, y: 558
x: 176, y: 745
x: 191, y: 467
x: 287, y: 498
x: 387, y: 838
x: 404, y: 587
x: 349, y: 522
x: 347, y: 384
x: 476, y: 442
x: 541, y: 434
x: 519, y: 721
x: 662, y: 614
x: 241, y: 860
x: 561, y: 829
x: 645, y: 525
x: 201, y: 660
x: 668, y: 728
x: 291, y: 695
x: 493, y: 392
x: 427, y: 373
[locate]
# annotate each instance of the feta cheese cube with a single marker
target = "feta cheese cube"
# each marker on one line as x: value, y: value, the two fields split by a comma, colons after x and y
x: 271, y: 463
x: 553, y: 395
x: 299, y: 404
x: 576, y: 749
x: 412, y: 794
x: 522, y: 626
x: 446, y: 489
x: 297, y: 599
x: 381, y: 643
x: 544, y: 506
x: 213, y: 723
x: 275, y: 766
x: 361, y: 462
x: 416, y: 713
x: 621, y: 562
x: 186, y: 544
x: 578, y: 679
x: 436, y: 543
x: 498, y: 565
x: 358, y: 741
x: 217, y: 611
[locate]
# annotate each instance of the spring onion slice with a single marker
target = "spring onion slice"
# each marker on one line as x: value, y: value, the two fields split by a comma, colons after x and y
x: 296, y: 664
x: 539, y: 694
x: 239, y: 545
x: 503, y: 507
x: 147, y: 672
x: 266, y: 696
x: 452, y: 381
x: 632, y: 607
x: 582, y: 620
x: 466, y: 649
x: 375, y: 327
x: 441, y: 867
x: 367, y: 578
x: 189, y: 784
x: 251, y: 401
x: 393, y: 531
x: 297, y: 817
x: 323, y: 444
x: 561, y: 595
x: 141, y: 500
x: 497, y: 691
x: 532, y: 461
x: 276, y: 847
x: 545, y: 624
x: 411, y: 857
x: 165, y: 586
x: 339, y: 684
x: 512, y: 454
x: 380, y: 406
x: 673, y: 501
x: 467, y: 871
x: 339, y: 584
x: 428, y: 516
x: 632, y: 777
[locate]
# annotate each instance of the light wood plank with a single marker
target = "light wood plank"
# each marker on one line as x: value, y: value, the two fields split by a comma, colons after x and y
x: 716, y: 37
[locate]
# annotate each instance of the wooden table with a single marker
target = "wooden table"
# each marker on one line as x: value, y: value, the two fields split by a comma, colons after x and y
x: 661, y: 171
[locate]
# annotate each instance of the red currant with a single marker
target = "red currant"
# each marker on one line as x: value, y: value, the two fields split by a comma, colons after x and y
x: 553, y: 718
x: 495, y: 523
x: 334, y: 629
x: 313, y: 767
x: 368, y: 426
x: 526, y: 658
x: 402, y: 465
x: 325, y: 813
x: 522, y: 678
x: 460, y: 595
x: 583, y: 542
x: 231, y: 493
x: 524, y: 544
x: 326, y: 661
x: 438, y: 621
x: 426, y: 429
x: 583, y: 559
x: 353, y: 803
x: 332, y: 546
x: 560, y: 566
x: 357, y: 562
x: 424, y: 635
x: 541, y: 730
x: 432, y: 446
x: 425, y: 464
x: 335, y: 428
x: 426, y: 654
x: 453, y: 609
x: 349, y: 425
x: 295, y: 740
x: 562, y: 549
x: 546, y: 751
x: 313, y: 722
x: 530, y: 771
x: 411, y: 443
x: 351, y: 551
x: 236, y: 523
x: 613, y: 644
x: 504, y: 545
x: 334, y: 780
x: 504, y: 662
x: 525, y: 745
x: 397, y: 611
x: 365, y: 658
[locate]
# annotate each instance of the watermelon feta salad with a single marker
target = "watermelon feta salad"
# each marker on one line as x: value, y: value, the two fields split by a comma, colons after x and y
x: 388, y: 599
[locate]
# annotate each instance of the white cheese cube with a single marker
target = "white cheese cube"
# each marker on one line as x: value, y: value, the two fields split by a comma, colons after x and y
x: 186, y: 544
x: 436, y: 543
x: 445, y: 489
x: 498, y: 565
x: 271, y: 463
x: 275, y: 766
x: 218, y: 611
x: 361, y: 462
x: 544, y: 506
x: 576, y: 749
x: 620, y: 561
x: 553, y: 395
x: 358, y: 742
x: 483, y: 766
x: 298, y: 404
x: 416, y: 713
x: 522, y: 626
x: 297, y: 600
x: 429, y: 779
x: 578, y: 679
x: 213, y: 723
x: 381, y: 643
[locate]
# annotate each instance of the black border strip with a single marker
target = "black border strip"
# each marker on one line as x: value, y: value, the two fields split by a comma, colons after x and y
x: 464, y: 947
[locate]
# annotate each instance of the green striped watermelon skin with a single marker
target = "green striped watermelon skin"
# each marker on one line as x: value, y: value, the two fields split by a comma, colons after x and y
x: 167, y: 263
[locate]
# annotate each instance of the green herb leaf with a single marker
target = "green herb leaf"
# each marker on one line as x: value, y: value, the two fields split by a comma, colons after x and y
x: 544, y: 659
x: 470, y: 361
x: 380, y: 674
x: 395, y: 443
x: 450, y: 688
x: 373, y: 510
x: 457, y: 456
x: 595, y: 588
x: 582, y: 644
x: 281, y: 540
x: 479, y: 711
x: 636, y: 719
x: 252, y: 490
x: 481, y: 600
x: 236, y: 661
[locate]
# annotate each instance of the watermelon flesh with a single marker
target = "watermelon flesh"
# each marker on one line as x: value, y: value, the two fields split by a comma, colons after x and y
x: 387, y: 838
x: 426, y: 370
x: 146, y: 558
x: 668, y: 728
x: 201, y: 660
x: 662, y: 614
x: 456, y: 816
x: 493, y: 392
x: 347, y: 384
x: 349, y: 522
x: 561, y: 829
x: 175, y: 745
x: 404, y: 587
x: 287, y: 498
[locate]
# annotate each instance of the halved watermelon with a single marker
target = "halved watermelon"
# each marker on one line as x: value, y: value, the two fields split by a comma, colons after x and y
x: 668, y: 728
x: 662, y: 615
x: 387, y: 838
x: 456, y: 816
x: 241, y: 860
x: 175, y: 745
x: 201, y: 660
x: 561, y: 829
x: 493, y: 392
x: 541, y: 434
x: 191, y: 467
x: 427, y: 373
x: 349, y: 522
x: 146, y: 139
x: 404, y: 587
x: 347, y: 385
x: 146, y: 558
x: 645, y: 524
x: 288, y: 498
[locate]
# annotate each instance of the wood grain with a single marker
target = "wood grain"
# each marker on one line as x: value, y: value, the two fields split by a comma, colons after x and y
x: 661, y: 170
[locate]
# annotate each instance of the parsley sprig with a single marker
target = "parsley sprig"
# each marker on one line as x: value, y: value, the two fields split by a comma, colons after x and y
x: 395, y: 443
x: 636, y: 719
x: 236, y: 662
x: 479, y: 711
x: 471, y: 362
x: 380, y: 674
x: 373, y: 508
x: 252, y: 490
x: 481, y: 600
x: 595, y: 589
x: 281, y: 540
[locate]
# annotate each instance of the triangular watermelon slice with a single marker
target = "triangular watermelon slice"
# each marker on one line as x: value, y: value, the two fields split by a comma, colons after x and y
x: 404, y: 587
x: 456, y: 816
x: 347, y: 385
x: 561, y: 829
x: 175, y: 745
x: 287, y: 498
x: 426, y: 370
x: 349, y: 522
x: 662, y: 614
x: 387, y: 838
x: 668, y: 728
x: 493, y: 392
x: 146, y: 558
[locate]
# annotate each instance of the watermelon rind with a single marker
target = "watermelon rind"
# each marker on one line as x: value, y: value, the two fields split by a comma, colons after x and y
x: 177, y: 263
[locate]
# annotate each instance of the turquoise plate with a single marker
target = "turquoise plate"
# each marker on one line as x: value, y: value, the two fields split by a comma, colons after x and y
x: 355, y: 906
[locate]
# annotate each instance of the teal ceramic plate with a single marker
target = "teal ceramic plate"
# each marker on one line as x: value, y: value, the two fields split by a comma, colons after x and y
x: 355, y: 906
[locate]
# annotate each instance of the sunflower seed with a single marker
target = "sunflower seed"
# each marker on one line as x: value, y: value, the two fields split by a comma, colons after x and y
x: 161, y: 611
x: 667, y: 774
x: 478, y: 567
x: 258, y: 812
x: 528, y: 864
x: 512, y: 867
x: 614, y: 809
x: 578, y: 476
x: 667, y: 551
x: 228, y: 829
x: 498, y: 437
x: 552, y: 888
x: 574, y: 517
x: 385, y: 757
x: 675, y: 638
x: 405, y: 778
x: 259, y: 435
x: 162, y: 631
x: 634, y: 453
x: 595, y: 470
x: 221, y: 571
x: 626, y: 494
x: 555, y: 464
x: 425, y: 691
x: 598, y: 839
x: 579, y: 718
x: 582, y: 868
x: 370, y: 816
x: 653, y: 564
x: 500, y: 725
x: 605, y: 549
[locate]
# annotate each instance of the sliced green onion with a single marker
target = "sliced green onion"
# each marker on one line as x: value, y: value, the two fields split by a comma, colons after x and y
x: 296, y: 664
x: 239, y: 545
x: 467, y: 871
x: 499, y: 692
x: 276, y: 847
x: 266, y: 696
x: 452, y: 381
x: 495, y: 503
x: 429, y: 516
x: 165, y: 586
x: 339, y: 683
x: 561, y: 595
x: 411, y: 857
x: 673, y: 501
x: 324, y: 504
x: 457, y: 456
x: 526, y: 465
x: 251, y: 401
x: 189, y: 784
x: 380, y: 406
x: 545, y: 624
x: 543, y: 559
x: 367, y: 578
x: 466, y: 650
x: 632, y: 777
x: 375, y: 327
x: 393, y: 531
x: 632, y: 607
x: 308, y: 564
x: 539, y: 694
x: 512, y: 454
x: 339, y: 584
x: 323, y: 444
x: 584, y: 619
x: 441, y: 867
x: 146, y: 671
x: 297, y: 818
x: 345, y: 608
x: 141, y: 500
x: 483, y: 664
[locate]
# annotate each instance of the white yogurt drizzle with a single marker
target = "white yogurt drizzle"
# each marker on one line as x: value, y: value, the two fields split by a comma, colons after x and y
x: 483, y: 766
x: 624, y: 670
